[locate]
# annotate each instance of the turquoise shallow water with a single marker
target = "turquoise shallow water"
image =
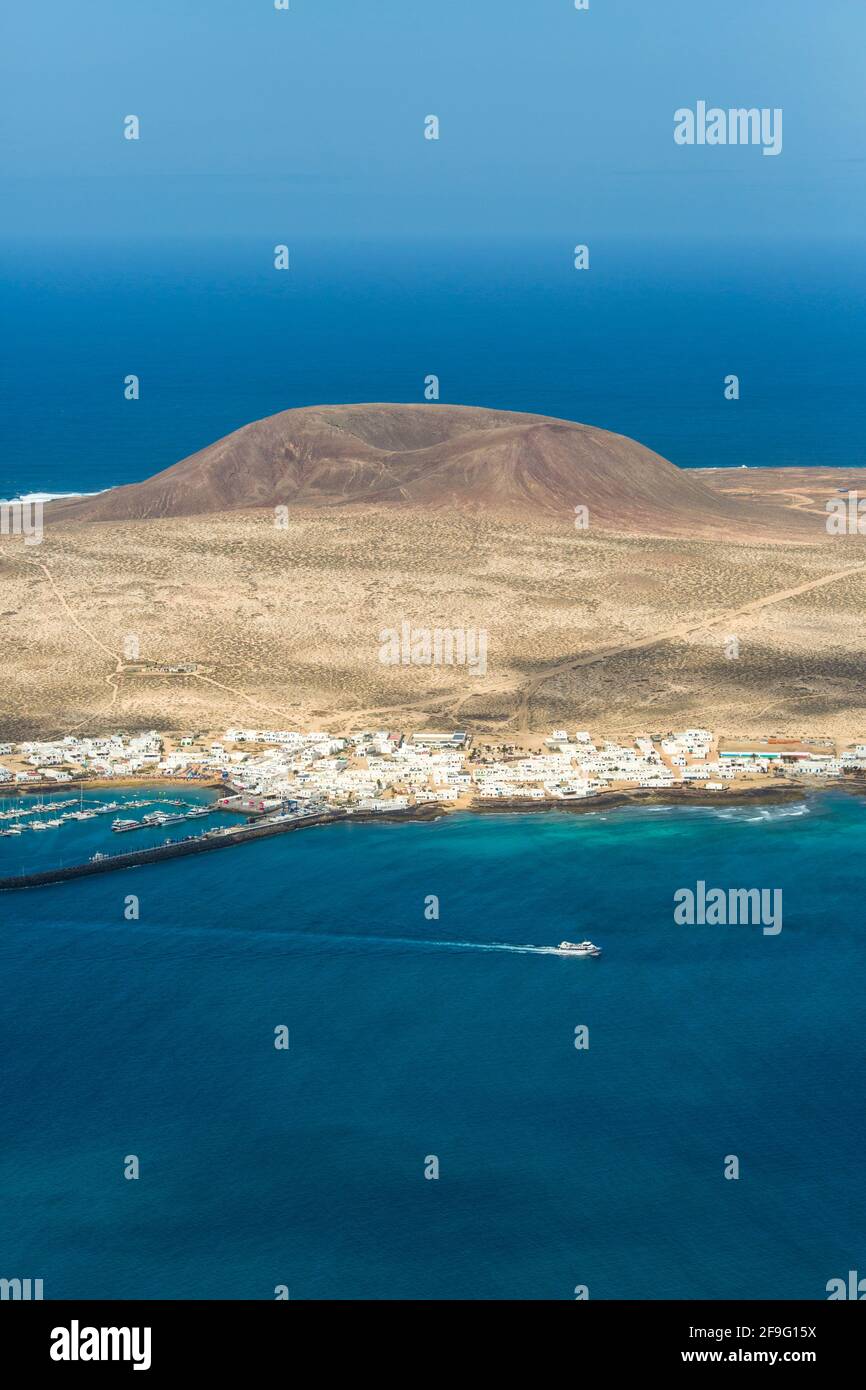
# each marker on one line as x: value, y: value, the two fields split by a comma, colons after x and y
x: 557, y: 1167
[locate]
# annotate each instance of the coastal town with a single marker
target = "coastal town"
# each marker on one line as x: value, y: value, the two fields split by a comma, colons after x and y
x: 266, y: 772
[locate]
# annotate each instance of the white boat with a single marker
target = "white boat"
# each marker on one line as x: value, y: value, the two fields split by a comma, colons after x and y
x: 38, y: 825
x: 120, y: 825
x: 578, y: 948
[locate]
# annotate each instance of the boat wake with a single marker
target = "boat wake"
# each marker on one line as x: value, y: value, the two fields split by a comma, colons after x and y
x: 355, y: 940
x: 425, y: 944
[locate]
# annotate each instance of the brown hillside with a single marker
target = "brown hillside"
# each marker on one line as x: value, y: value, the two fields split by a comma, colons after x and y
x: 433, y: 456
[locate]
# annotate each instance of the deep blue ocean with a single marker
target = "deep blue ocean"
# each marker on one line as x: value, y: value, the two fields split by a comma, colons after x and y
x: 412, y: 1037
x: 640, y: 343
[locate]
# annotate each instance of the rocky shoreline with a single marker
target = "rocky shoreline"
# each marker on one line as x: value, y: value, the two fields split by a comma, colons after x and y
x: 650, y: 796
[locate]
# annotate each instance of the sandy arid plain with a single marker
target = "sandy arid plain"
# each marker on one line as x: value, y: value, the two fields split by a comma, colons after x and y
x: 623, y: 627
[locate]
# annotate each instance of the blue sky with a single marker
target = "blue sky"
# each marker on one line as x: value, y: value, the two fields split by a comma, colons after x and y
x: 266, y: 123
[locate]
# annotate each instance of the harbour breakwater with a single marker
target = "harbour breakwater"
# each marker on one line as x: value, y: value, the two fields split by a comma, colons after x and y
x: 179, y: 849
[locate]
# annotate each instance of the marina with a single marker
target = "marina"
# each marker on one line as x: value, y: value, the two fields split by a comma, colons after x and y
x: 18, y: 819
x: 215, y: 838
x: 95, y: 856
x: 45, y: 836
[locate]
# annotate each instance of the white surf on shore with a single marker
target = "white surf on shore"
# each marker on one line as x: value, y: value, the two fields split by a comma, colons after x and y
x: 31, y: 497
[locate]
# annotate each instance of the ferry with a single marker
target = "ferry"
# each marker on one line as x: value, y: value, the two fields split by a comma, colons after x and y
x: 157, y: 819
x: 578, y: 948
x: 197, y: 811
x: 120, y: 825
